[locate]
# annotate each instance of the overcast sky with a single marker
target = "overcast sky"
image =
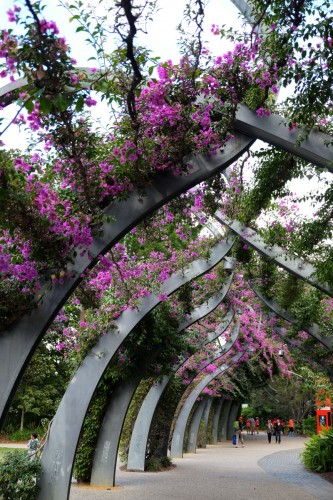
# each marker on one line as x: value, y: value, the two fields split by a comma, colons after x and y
x: 161, y: 38
x: 161, y: 35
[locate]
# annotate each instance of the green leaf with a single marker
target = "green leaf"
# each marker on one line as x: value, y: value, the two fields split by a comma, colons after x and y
x: 60, y: 102
x: 45, y: 105
x: 29, y: 105
x: 79, y: 104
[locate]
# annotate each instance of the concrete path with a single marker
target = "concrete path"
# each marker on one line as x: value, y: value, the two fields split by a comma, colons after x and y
x: 260, y: 471
x: 14, y: 445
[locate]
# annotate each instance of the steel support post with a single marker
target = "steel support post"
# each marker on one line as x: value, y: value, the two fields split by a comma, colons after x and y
x: 233, y: 414
x: 216, y: 419
x: 222, y: 435
x: 195, y: 424
x: 106, y: 452
x: 206, y: 414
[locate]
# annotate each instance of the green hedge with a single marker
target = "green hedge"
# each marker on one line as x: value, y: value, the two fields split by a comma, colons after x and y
x: 18, y: 476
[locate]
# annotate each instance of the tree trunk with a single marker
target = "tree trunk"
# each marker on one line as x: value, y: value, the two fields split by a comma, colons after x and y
x: 22, y: 420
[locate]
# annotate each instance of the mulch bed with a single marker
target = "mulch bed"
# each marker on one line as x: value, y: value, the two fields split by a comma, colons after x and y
x: 161, y: 469
x: 328, y: 476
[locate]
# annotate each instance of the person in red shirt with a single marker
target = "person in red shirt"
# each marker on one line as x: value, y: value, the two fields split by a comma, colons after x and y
x: 256, y: 424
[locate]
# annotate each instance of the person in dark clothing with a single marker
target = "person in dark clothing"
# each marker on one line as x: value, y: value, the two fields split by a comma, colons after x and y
x: 278, y: 429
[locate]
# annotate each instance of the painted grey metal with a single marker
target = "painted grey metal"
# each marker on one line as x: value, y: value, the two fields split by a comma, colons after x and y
x: 274, y: 130
x: 244, y: 9
x: 216, y: 419
x: 140, y: 433
x: 105, y: 457
x: 59, y: 452
x: 104, y: 464
x: 205, y: 309
x: 233, y: 414
x: 9, y: 93
x: 313, y: 330
x: 180, y: 426
x: 206, y: 414
x: 295, y: 266
x: 222, y: 435
x: 19, y: 342
x: 195, y: 424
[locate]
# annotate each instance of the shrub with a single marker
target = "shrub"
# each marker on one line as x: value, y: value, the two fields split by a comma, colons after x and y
x: 166, y: 462
x: 19, y: 476
x: 153, y: 464
x: 318, y: 454
x: 309, y: 426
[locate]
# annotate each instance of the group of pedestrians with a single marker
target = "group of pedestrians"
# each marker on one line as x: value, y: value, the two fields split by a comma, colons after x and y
x: 276, y: 428
x: 252, y: 425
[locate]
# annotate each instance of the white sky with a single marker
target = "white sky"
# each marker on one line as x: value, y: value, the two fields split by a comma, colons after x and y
x: 161, y: 38
x: 161, y: 35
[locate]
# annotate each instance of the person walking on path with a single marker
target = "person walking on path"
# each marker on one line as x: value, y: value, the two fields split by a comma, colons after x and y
x: 248, y: 426
x: 278, y: 430
x: 252, y: 427
x: 291, y: 427
x: 238, y: 427
x: 256, y: 425
x: 269, y: 430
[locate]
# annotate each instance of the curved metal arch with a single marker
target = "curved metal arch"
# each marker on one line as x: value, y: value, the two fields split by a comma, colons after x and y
x: 206, y: 414
x: 233, y: 412
x: 106, y: 452
x: 302, y: 270
x: 19, y: 342
x: 141, y: 429
x: 180, y: 426
x: 273, y: 129
x: 59, y: 452
x: 222, y: 430
x: 216, y: 419
x: 195, y: 423
x: 313, y: 330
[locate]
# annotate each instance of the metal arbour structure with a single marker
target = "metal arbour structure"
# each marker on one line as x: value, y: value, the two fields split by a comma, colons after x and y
x: 58, y: 456
x: 140, y: 433
x: 18, y: 344
x: 105, y: 457
x: 20, y: 341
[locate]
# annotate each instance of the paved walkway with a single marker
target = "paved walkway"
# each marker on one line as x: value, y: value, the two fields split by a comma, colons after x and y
x: 260, y: 471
